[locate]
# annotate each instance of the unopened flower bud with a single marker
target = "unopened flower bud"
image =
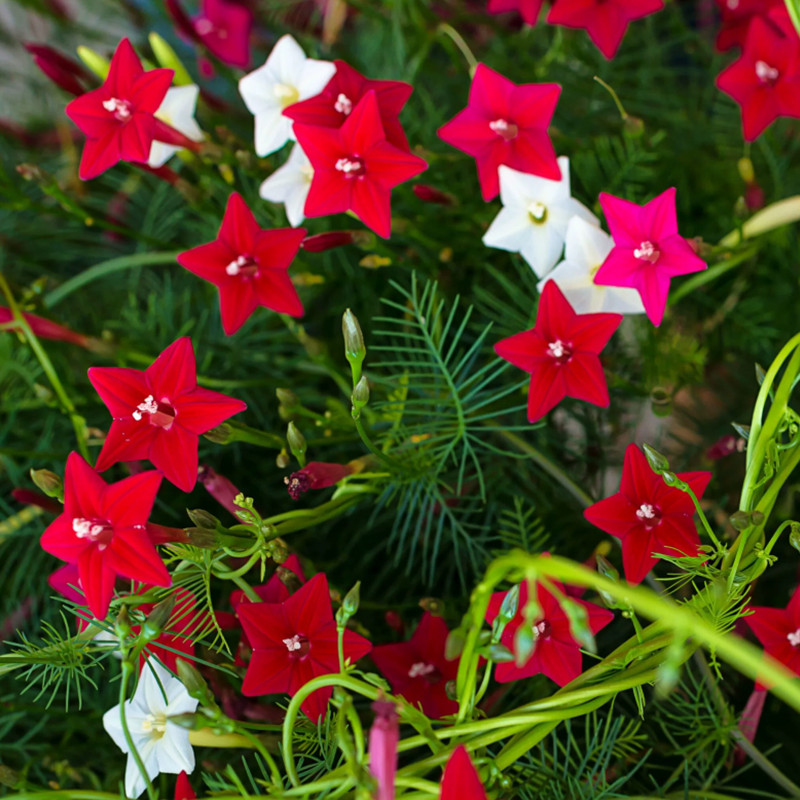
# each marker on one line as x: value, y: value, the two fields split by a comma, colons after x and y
x: 360, y: 395
x: 741, y: 520
x: 754, y: 197
x: 524, y: 644
x: 433, y: 605
x: 352, y: 600
x: 500, y: 654
x: 122, y: 624
x: 430, y: 194
x: 50, y: 483
x: 454, y: 644
x: 509, y: 606
x: 201, y: 537
x: 451, y: 690
x: 94, y: 61
x: 354, y: 348
x: 282, y: 460
x: 579, y: 624
x: 297, y: 443
x: 194, y: 682
x: 746, y: 171
x: 168, y: 59
x: 202, y: 519
x: 321, y: 242
x: 633, y: 126
x: 794, y: 535
x: 286, y: 397
x: 657, y: 461
x: 222, y: 434
x: 63, y: 71
x: 158, y: 618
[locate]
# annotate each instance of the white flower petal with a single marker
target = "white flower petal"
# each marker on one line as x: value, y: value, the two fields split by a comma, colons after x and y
x: 287, y: 59
x: 273, y: 130
x: 295, y: 205
x: 175, y: 753
x: 509, y: 230
x: 314, y: 77
x: 134, y: 781
x: 542, y: 248
x: 177, y: 109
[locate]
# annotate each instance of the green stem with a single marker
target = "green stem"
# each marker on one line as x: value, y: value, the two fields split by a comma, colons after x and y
x: 458, y: 41
x: 248, y: 590
x: 710, y: 274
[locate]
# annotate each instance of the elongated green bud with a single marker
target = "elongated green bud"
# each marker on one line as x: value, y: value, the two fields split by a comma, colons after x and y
x: 579, y: 624
x: 158, y: 618
x: 168, y: 58
x: 524, y: 643
x: 297, y: 443
x: 354, y: 349
x: 195, y: 683
x: 50, y: 483
x: 94, y: 61
x: 657, y: 461
x: 360, y: 396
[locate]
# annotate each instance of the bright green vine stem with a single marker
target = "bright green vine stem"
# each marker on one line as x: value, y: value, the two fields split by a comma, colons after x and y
x: 78, y: 422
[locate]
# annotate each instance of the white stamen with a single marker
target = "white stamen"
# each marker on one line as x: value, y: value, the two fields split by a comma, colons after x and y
x: 794, y: 638
x: 766, y: 73
x: 347, y: 165
x: 646, y: 511
x: 557, y: 349
x: 499, y: 126
x: 343, y: 104
x: 287, y: 95
x: 647, y: 252
x: 420, y: 669
x: 147, y: 406
x: 121, y: 109
x: 537, y: 211
x: 541, y: 628
x: 235, y: 267
x: 85, y: 528
x: 293, y: 644
x: 155, y: 724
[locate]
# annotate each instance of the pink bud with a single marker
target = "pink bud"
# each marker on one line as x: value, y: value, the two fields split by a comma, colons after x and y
x: 326, y: 241
x: 430, y: 194
x: 383, y: 737
x: 748, y: 722
x: 315, y: 475
x: 63, y: 71
x: 44, y: 328
x: 219, y: 487
x: 754, y: 197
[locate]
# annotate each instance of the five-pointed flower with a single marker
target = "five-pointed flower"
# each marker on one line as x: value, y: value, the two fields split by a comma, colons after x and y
x: 224, y: 28
x: 587, y: 246
x: 528, y: 9
x: 460, y: 780
x: 765, y: 79
x: 177, y: 110
x: 604, y: 20
x: 648, y: 516
x: 648, y: 250
x: 778, y: 630
x: 334, y: 104
x: 103, y: 530
x: 556, y: 654
x: 286, y: 77
x: 417, y: 669
x: 249, y: 265
x: 534, y: 217
x: 736, y: 18
x: 561, y: 353
x: 160, y: 413
x: 355, y: 167
x: 289, y: 184
x: 504, y: 123
x: 118, y: 118
x: 296, y: 641
x: 162, y: 745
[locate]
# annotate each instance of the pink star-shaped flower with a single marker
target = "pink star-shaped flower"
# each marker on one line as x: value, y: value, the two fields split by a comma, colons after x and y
x: 529, y: 9
x: 296, y: 641
x: 417, y: 669
x: 118, y: 118
x: 224, y: 28
x: 604, y: 20
x: 460, y: 779
x: 505, y: 123
x: 648, y: 251
x: 736, y: 18
x: 556, y: 653
x: 648, y: 516
x: 249, y: 265
x: 160, y: 413
x: 355, y: 167
x: 561, y: 353
x: 765, y: 79
x: 334, y: 104
x: 778, y: 630
x: 103, y: 530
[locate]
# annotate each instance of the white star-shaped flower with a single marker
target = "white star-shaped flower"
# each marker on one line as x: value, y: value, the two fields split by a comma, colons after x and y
x: 162, y: 745
x: 586, y: 249
x: 177, y: 109
x: 285, y: 78
x: 289, y: 185
x: 534, y: 217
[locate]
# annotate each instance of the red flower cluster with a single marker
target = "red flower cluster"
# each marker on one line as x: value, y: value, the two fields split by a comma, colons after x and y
x: 778, y: 630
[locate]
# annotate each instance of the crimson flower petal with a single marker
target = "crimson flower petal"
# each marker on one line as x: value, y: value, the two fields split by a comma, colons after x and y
x: 97, y: 580
x: 129, y: 502
x: 460, y: 779
x: 120, y: 388
x: 174, y: 372
x: 203, y: 409
x: 174, y: 452
x: 133, y: 555
x: 127, y: 440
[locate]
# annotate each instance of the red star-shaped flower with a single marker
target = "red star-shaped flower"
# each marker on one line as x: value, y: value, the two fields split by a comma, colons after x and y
x: 224, y: 28
x: 561, y: 353
x: 648, y: 250
x: 334, y: 104
x: 249, y: 265
x: 648, y: 516
x: 765, y: 79
x: 296, y: 641
x: 504, y: 123
x: 736, y: 18
x: 528, y: 9
x: 460, y: 779
x: 604, y: 20
x: 118, y: 118
x: 103, y: 530
x: 355, y: 167
x: 417, y: 669
x: 778, y: 630
x: 160, y: 413
x: 556, y: 654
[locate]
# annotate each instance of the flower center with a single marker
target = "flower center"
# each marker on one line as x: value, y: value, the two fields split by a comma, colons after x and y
x: 537, y: 212
x: 242, y: 265
x: 560, y: 352
x: 765, y: 73
x: 343, y: 104
x: 155, y: 725
x: 98, y: 531
x: 424, y: 670
x: 542, y: 630
x: 351, y: 166
x: 203, y: 26
x: 297, y: 646
x: 733, y: 4
x: 794, y: 638
x: 121, y: 109
x: 647, y: 251
x: 162, y: 414
x: 504, y: 129
x: 649, y: 515
x: 297, y: 483
x: 287, y: 95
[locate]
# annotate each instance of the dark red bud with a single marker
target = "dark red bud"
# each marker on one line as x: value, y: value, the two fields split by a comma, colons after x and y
x: 395, y: 622
x: 321, y: 242
x: 430, y: 194
x: 63, y: 71
x: 315, y: 475
x: 754, y: 197
x: 30, y: 498
x: 44, y: 328
x: 181, y: 20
